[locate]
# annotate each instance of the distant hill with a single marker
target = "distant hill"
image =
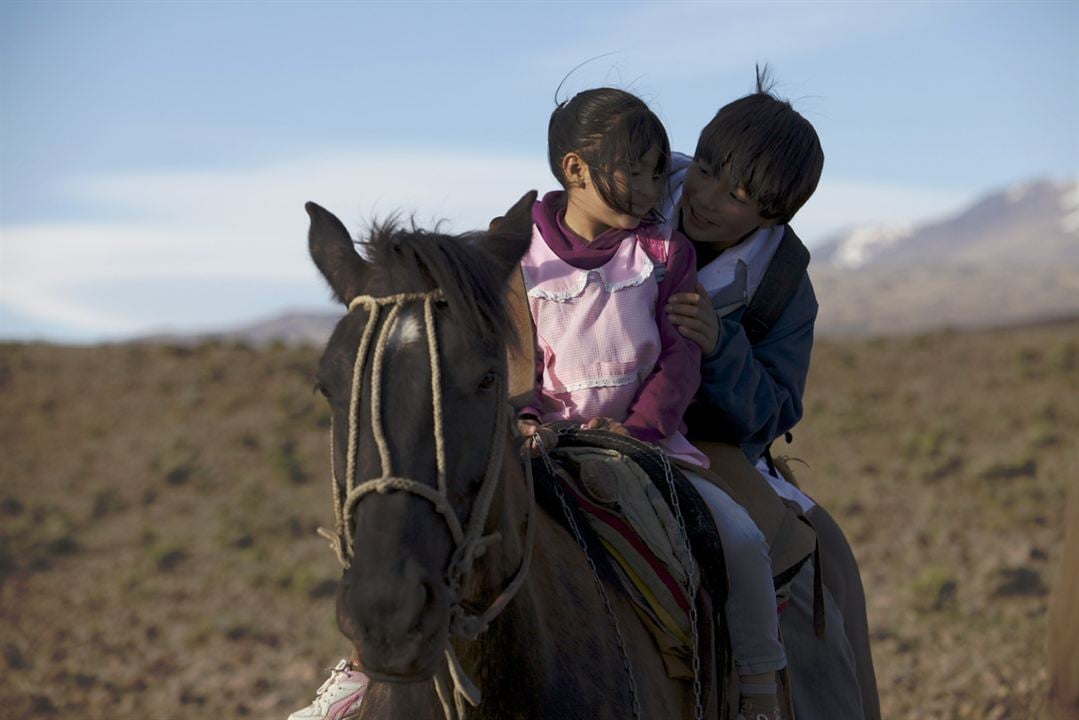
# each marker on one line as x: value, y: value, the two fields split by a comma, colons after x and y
x: 291, y: 328
x: 1011, y: 257
x: 296, y: 328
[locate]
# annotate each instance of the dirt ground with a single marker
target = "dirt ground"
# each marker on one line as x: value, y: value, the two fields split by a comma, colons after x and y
x: 158, y: 506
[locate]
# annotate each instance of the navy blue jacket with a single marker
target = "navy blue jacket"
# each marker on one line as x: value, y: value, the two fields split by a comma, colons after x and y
x: 752, y: 394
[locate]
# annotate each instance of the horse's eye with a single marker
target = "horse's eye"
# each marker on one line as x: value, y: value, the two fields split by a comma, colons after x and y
x: 488, y: 380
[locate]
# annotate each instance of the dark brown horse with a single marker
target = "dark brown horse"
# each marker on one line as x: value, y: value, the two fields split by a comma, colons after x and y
x: 417, y: 389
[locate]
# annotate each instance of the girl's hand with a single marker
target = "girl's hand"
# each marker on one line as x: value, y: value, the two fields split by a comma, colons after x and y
x: 694, y: 317
x: 606, y: 424
x: 528, y: 428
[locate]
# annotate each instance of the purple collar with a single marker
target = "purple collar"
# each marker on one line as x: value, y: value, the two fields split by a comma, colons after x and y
x: 549, y: 215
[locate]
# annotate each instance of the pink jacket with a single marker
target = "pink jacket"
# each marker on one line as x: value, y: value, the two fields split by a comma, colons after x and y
x: 604, y: 344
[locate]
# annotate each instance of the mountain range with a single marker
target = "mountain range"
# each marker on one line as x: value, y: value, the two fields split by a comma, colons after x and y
x: 1010, y: 257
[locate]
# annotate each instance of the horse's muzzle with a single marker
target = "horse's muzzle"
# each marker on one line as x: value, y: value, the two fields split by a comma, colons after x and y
x: 400, y: 628
x: 411, y: 659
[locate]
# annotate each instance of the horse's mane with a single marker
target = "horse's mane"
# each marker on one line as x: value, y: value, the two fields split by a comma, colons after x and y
x: 471, y: 280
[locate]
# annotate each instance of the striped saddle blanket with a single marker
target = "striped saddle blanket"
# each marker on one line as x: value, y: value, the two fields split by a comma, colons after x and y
x: 633, y: 521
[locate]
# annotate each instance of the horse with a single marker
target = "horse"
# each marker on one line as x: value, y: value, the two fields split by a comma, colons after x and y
x: 460, y: 593
x: 1063, y: 640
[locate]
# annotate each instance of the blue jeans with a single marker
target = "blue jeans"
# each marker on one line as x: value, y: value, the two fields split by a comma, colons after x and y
x: 751, y: 600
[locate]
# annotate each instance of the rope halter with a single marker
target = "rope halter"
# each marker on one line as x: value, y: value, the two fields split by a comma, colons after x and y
x: 469, y: 542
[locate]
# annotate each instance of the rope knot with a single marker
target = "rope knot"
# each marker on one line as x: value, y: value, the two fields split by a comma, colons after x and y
x: 469, y: 627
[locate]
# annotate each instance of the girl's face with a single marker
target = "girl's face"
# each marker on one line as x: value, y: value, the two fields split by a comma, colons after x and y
x: 715, y: 211
x: 641, y: 182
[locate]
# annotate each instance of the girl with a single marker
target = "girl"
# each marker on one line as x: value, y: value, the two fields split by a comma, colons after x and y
x: 598, y: 275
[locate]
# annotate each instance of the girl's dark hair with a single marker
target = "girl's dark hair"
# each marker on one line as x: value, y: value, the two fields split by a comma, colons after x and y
x: 766, y: 147
x: 611, y: 130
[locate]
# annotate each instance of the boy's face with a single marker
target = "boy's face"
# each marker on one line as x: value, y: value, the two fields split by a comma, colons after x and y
x: 715, y: 211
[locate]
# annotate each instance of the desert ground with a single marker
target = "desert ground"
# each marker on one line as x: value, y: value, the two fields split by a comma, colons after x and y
x: 158, y: 507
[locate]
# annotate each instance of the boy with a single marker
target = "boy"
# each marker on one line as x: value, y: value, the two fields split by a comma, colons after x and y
x: 756, y: 163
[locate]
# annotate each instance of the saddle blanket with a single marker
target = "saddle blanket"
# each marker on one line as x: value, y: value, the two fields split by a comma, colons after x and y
x: 637, y: 528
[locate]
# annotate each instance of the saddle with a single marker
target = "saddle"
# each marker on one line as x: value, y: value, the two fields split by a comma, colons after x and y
x: 618, y: 495
x: 700, y: 528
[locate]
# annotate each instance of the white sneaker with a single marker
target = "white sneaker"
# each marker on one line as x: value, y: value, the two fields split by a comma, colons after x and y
x: 339, y: 698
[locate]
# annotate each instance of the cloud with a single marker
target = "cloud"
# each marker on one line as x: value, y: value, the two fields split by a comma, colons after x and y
x: 235, y: 229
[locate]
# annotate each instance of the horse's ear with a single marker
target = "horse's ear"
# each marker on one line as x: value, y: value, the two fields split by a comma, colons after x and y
x: 334, y: 254
x: 509, y: 236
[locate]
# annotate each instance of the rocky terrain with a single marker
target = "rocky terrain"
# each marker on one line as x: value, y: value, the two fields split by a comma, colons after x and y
x: 158, y: 506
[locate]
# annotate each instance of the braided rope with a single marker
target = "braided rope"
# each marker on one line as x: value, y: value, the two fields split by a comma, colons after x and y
x: 436, y: 396
x: 353, y: 436
x: 385, y: 485
x: 385, y: 461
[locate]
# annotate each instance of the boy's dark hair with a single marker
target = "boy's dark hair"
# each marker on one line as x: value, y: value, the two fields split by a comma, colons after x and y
x: 766, y: 147
x: 610, y: 129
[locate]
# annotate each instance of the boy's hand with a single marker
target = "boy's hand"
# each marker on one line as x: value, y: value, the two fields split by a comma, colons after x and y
x: 528, y: 428
x: 607, y: 424
x: 694, y: 317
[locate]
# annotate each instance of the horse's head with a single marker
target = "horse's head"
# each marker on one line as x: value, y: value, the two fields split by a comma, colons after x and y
x: 415, y: 377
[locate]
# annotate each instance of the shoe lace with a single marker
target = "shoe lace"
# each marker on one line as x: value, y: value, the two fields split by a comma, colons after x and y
x: 334, y: 672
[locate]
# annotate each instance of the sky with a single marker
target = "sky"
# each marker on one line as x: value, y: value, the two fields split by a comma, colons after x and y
x: 155, y: 156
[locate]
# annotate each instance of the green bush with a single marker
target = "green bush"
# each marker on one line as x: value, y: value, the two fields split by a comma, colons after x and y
x: 177, y: 464
x: 107, y: 501
x: 7, y: 561
x: 934, y: 589
x: 169, y: 557
x: 286, y: 462
x: 1064, y: 357
x: 926, y: 443
x: 1025, y: 466
x: 1044, y: 434
x: 308, y: 580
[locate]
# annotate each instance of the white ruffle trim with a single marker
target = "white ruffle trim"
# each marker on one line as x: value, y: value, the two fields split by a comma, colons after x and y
x: 646, y: 273
x: 608, y: 381
x: 537, y: 291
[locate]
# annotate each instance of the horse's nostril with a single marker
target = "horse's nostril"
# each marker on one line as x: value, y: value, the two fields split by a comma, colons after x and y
x: 428, y: 594
x: 426, y: 598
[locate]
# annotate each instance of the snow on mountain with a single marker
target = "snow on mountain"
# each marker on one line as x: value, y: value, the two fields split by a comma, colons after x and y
x: 1069, y: 205
x: 862, y: 244
x: 1031, y: 222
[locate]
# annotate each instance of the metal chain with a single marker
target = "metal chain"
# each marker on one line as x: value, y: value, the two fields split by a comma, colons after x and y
x: 691, y: 590
x: 595, y: 576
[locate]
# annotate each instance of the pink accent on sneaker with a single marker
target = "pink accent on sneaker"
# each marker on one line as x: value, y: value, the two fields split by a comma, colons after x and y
x: 340, y: 709
x: 339, y: 698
